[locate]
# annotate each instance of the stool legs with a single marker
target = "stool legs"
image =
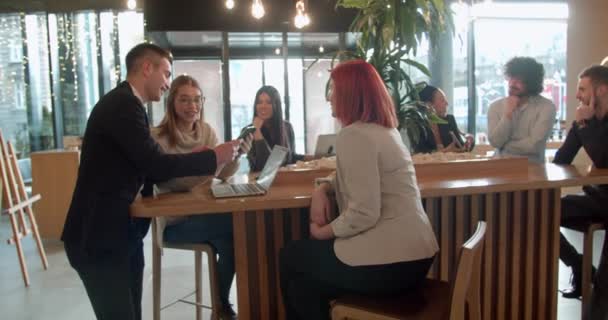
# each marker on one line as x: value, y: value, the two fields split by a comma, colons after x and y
x: 587, y: 280
x: 156, y: 281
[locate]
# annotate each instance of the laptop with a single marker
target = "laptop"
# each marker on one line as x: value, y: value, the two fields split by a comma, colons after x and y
x: 259, y: 187
x: 326, y: 145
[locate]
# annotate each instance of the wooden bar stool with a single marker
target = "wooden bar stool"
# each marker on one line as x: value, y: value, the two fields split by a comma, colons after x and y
x: 158, y: 243
x: 436, y: 300
x: 587, y: 228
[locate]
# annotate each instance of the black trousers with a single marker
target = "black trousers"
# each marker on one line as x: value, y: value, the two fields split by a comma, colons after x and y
x: 592, y: 207
x: 113, y: 280
x: 311, y: 276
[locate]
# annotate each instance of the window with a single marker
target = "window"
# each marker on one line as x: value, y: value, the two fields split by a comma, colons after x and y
x: 534, y: 30
x: 209, y: 77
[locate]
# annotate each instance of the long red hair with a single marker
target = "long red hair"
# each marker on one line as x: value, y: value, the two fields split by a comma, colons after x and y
x: 360, y: 95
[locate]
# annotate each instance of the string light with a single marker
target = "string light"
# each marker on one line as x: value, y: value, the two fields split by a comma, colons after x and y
x: 229, y: 4
x: 257, y: 9
x: 131, y: 4
x: 301, y: 19
x: 277, y: 51
x: 321, y: 49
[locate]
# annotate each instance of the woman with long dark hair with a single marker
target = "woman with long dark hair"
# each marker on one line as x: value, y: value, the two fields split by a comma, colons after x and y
x: 271, y: 129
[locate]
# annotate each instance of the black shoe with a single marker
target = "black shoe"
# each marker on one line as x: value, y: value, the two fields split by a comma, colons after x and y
x: 226, y: 312
x: 576, y: 291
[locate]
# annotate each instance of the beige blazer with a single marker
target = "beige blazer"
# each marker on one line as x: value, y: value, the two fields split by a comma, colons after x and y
x: 381, y: 217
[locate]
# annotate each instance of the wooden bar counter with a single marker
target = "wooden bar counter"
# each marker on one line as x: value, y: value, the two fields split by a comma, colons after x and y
x: 521, y: 208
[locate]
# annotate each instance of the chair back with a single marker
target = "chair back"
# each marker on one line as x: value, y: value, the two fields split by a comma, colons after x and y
x: 465, y: 288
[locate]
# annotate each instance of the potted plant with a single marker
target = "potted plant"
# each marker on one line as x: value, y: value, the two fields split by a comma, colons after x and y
x: 390, y: 33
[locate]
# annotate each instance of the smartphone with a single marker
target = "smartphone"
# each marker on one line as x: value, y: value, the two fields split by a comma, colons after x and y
x: 246, y: 132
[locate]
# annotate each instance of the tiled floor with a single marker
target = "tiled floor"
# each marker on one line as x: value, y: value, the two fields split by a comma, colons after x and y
x: 57, y: 293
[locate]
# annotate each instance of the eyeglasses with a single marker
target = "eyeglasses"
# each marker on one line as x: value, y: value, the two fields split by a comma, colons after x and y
x: 187, y: 100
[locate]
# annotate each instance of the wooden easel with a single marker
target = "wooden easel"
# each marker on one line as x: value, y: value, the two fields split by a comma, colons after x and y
x: 18, y: 205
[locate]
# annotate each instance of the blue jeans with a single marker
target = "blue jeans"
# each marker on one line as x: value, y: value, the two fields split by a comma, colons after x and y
x: 215, y: 229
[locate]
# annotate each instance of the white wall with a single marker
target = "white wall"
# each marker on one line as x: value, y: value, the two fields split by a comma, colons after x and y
x: 587, y: 45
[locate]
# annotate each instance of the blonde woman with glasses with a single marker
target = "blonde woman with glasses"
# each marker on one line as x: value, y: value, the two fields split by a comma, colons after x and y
x: 183, y: 130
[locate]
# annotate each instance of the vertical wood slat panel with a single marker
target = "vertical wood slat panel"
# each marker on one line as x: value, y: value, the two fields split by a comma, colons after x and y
x: 542, y: 263
x: 241, y: 263
x: 501, y: 251
x: 444, y: 245
x: 459, y: 221
x: 296, y: 226
x: 263, y: 289
x: 554, y: 258
x: 488, y: 259
x: 515, y: 256
x: 475, y: 214
x: 279, y: 240
x: 529, y: 268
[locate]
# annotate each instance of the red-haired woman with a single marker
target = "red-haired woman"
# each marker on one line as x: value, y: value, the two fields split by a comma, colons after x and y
x: 382, y: 241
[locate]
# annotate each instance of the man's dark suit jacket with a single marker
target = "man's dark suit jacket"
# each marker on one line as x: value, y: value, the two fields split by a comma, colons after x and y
x: 117, y: 154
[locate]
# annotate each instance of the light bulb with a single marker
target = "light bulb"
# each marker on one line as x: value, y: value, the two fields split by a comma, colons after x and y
x: 257, y: 9
x: 277, y: 51
x: 229, y: 4
x: 131, y: 4
x: 321, y: 49
x: 299, y: 21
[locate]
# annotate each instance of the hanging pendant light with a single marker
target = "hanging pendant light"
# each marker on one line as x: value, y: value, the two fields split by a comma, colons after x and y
x: 257, y: 9
x: 301, y: 19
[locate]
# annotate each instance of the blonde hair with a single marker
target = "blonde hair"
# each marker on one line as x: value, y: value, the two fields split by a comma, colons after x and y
x: 168, y: 126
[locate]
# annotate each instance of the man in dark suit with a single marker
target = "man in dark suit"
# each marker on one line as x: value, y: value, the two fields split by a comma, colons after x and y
x: 102, y: 242
x: 590, y: 132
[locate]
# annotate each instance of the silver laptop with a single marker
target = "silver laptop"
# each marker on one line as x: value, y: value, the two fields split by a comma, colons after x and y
x: 326, y: 145
x: 259, y: 187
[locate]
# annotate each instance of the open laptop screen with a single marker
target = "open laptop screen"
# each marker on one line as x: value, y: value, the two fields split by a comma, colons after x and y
x: 326, y: 145
x: 274, y: 162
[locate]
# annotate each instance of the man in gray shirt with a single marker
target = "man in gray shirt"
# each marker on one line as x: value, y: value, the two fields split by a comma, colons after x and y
x: 521, y: 123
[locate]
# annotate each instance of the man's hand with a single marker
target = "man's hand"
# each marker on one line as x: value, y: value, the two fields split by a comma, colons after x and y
x: 511, y: 104
x: 226, y: 152
x: 320, y: 207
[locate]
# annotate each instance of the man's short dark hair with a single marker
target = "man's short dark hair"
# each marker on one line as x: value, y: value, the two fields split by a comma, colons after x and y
x: 529, y: 71
x: 598, y: 74
x: 143, y: 49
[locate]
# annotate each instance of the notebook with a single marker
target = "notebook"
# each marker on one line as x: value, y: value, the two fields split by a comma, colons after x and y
x: 326, y: 145
x: 259, y: 187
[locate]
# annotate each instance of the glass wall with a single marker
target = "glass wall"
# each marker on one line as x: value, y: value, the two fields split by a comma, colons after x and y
x: 532, y: 30
x: 54, y: 68
x: 208, y: 74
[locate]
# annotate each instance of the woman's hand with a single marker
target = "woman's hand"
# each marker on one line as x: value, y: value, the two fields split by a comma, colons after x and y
x: 245, y: 144
x: 318, y: 232
x: 258, y: 123
x: 320, y: 207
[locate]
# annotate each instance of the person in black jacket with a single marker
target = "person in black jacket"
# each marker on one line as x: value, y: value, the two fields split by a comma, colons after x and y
x: 442, y: 136
x: 102, y: 242
x: 589, y: 131
x: 271, y: 129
